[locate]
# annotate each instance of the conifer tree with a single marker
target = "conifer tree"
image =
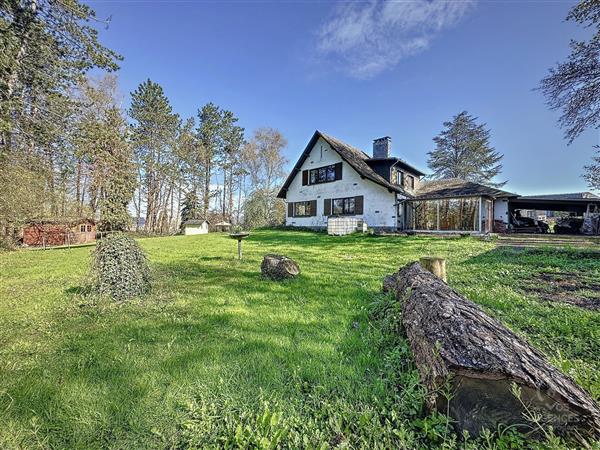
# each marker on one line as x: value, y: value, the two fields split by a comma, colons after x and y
x: 191, y: 209
x: 463, y: 151
x: 154, y: 135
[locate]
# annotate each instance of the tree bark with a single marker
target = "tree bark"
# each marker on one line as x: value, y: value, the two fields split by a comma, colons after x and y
x: 279, y: 267
x: 454, y: 341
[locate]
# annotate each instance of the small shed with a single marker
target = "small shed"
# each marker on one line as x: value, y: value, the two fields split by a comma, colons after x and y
x: 222, y: 226
x: 195, y: 226
x: 61, y: 231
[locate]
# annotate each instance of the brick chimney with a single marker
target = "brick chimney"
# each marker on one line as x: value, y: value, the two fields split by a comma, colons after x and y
x: 382, y: 147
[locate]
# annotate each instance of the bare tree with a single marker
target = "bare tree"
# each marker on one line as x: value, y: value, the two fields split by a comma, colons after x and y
x: 572, y: 86
x: 265, y: 165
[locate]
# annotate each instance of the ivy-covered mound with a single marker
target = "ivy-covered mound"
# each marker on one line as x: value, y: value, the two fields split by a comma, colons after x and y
x: 119, y: 268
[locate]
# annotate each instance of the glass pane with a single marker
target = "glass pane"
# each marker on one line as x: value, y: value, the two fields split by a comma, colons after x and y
x: 424, y: 215
x: 313, y: 176
x: 331, y: 173
x: 350, y: 205
x: 322, y: 174
x: 338, y: 206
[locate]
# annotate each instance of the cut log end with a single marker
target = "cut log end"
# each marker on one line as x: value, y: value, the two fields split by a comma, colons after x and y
x: 279, y: 267
x: 435, y: 265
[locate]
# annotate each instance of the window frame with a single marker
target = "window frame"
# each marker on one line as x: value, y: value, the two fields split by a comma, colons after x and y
x: 345, y: 206
x: 307, y: 209
x: 327, y: 172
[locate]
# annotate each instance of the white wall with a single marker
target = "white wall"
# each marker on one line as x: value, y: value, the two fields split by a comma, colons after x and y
x: 379, y: 204
x: 501, y: 210
x: 196, y: 229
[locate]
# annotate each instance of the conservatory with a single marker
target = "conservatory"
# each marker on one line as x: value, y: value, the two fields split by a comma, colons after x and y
x: 467, y: 214
x: 453, y: 206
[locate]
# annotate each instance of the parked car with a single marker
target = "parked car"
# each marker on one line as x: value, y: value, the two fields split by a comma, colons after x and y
x: 520, y: 224
x: 568, y: 225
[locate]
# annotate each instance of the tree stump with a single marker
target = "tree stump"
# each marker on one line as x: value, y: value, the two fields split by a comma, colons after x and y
x: 435, y: 265
x: 454, y: 341
x: 279, y: 267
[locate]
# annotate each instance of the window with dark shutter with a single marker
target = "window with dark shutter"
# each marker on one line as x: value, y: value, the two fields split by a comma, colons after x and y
x: 325, y: 174
x: 359, y: 204
x: 304, y: 177
x: 338, y: 171
x: 305, y: 209
x: 290, y: 209
x: 327, y: 207
x: 347, y: 206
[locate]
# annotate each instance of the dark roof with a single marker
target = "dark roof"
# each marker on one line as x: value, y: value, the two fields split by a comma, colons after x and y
x: 398, y: 162
x: 354, y: 157
x: 457, y: 188
x: 571, y: 196
x: 195, y: 222
x: 60, y: 221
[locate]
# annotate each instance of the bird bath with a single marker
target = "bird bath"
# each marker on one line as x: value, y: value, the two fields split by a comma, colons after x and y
x: 239, y: 237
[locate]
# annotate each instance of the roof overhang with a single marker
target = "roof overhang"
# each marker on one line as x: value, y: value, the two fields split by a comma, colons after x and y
x: 578, y: 205
x: 313, y: 140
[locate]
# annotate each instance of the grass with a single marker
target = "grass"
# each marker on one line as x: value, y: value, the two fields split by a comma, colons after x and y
x: 218, y: 357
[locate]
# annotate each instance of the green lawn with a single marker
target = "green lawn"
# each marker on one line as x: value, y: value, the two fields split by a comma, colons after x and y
x: 217, y: 356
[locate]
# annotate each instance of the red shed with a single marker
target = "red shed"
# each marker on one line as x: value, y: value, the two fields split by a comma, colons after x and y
x: 51, y: 232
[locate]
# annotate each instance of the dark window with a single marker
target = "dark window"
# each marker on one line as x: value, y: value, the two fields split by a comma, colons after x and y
x: 342, y: 206
x: 322, y: 174
x: 82, y: 228
x: 409, y: 181
x: 303, y: 209
x: 89, y: 228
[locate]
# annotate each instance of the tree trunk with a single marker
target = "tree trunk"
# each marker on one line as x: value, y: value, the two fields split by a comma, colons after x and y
x: 435, y: 265
x: 279, y: 267
x: 453, y: 340
x: 224, y: 202
x: 206, y: 190
x: 230, y: 203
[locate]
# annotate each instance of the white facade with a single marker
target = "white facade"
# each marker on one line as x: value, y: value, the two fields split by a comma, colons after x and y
x: 191, y: 229
x: 380, y: 205
x: 501, y: 210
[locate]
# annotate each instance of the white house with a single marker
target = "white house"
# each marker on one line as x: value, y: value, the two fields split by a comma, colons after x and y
x: 195, y: 226
x: 332, y: 178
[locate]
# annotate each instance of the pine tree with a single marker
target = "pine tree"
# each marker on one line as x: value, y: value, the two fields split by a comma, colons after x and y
x: 463, y: 151
x: 232, y: 138
x: 45, y: 48
x: 210, y: 138
x: 192, y: 209
x: 154, y: 136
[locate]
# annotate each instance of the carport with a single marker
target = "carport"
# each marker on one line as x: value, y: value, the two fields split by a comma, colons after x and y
x: 558, y: 202
x: 579, y: 204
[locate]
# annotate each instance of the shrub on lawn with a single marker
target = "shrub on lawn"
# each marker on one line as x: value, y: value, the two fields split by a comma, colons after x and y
x: 119, y: 268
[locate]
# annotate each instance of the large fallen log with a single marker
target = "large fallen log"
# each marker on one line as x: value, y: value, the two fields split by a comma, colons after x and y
x: 457, y: 346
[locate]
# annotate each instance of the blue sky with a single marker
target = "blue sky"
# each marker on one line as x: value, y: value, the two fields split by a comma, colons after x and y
x: 359, y: 71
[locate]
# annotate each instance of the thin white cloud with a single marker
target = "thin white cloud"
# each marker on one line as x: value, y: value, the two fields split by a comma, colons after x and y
x: 365, y: 39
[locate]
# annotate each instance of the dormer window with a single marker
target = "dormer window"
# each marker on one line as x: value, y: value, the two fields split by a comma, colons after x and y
x: 408, y: 181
